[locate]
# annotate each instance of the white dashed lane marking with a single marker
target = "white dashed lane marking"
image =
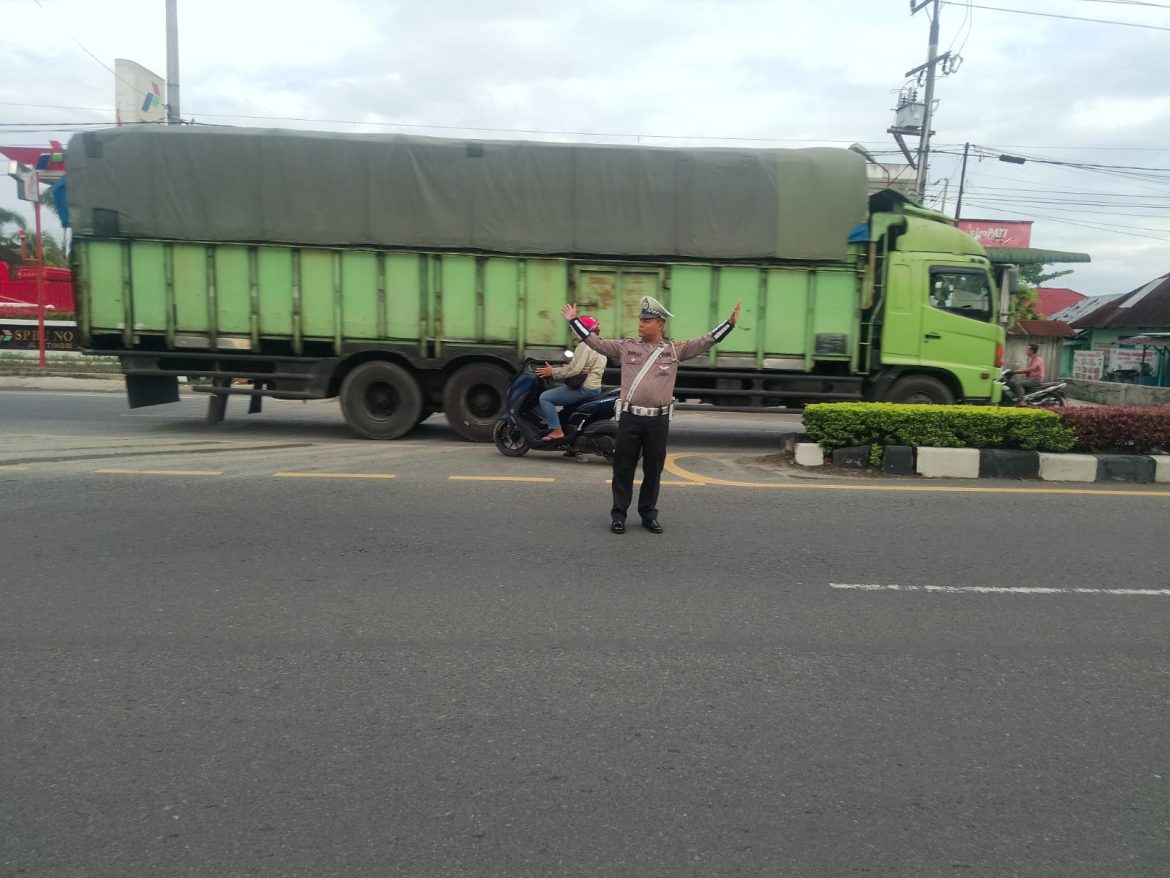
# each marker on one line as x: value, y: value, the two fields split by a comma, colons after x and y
x: 1001, y: 589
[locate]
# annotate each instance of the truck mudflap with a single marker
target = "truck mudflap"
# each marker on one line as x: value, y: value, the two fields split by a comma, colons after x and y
x: 144, y: 390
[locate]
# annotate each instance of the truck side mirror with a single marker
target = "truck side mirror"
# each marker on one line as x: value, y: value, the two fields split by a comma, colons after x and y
x: 1009, y: 284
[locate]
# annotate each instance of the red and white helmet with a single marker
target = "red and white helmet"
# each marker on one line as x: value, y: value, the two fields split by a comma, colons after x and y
x: 589, y: 323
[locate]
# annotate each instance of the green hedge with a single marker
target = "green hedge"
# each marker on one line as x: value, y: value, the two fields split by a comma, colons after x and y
x: 838, y: 425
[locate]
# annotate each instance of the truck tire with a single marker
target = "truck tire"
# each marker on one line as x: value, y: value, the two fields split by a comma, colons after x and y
x: 380, y: 400
x: 920, y: 390
x: 473, y: 400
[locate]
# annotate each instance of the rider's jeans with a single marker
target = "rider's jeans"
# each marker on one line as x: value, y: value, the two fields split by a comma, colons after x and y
x: 562, y: 395
x: 1023, y: 386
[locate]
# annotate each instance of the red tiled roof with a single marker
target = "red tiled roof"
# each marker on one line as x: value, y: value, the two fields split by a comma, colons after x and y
x: 1049, y: 300
x: 1147, y: 307
x: 1045, y: 328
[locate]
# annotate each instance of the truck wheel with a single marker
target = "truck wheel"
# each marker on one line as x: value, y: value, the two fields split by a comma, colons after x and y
x: 920, y: 390
x: 474, y: 399
x: 380, y: 400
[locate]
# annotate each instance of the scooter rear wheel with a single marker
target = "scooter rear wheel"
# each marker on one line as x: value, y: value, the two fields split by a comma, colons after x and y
x: 1051, y: 400
x: 509, y: 440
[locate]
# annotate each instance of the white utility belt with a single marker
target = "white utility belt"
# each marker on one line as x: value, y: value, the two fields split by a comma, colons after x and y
x: 646, y: 412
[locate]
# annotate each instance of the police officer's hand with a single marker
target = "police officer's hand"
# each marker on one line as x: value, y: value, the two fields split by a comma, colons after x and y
x: 734, y: 318
x: 545, y: 371
x: 570, y: 311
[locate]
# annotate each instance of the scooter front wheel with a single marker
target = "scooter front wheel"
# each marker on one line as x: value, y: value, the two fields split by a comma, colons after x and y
x: 509, y: 440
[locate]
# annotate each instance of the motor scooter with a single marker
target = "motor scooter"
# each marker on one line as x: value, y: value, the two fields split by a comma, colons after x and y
x: 1048, y: 395
x: 589, y: 425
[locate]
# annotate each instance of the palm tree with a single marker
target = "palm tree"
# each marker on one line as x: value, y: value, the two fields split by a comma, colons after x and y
x: 10, y: 237
x: 11, y: 225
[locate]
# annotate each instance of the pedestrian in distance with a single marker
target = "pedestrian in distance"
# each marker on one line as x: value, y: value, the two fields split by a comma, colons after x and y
x: 582, y: 377
x: 649, y: 367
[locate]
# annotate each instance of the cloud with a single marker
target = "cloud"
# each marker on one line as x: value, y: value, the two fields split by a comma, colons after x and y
x: 794, y: 72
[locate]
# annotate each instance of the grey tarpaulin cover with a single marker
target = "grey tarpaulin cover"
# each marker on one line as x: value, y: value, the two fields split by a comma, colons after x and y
x: 317, y: 188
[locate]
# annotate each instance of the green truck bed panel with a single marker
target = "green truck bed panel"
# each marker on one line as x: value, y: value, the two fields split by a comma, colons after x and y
x: 282, y: 294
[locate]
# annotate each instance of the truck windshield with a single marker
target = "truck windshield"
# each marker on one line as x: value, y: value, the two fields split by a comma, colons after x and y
x: 965, y: 292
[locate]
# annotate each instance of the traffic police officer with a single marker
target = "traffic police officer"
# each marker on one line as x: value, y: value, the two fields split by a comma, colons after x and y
x: 649, y: 369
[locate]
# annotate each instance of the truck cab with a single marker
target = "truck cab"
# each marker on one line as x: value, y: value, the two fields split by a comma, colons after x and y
x: 940, y: 337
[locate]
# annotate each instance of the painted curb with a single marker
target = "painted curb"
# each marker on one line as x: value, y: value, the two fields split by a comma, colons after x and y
x: 948, y: 463
x: 987, y: 463
x: 1162, y: 469
x: 1125, y: 468
x: 1067, y: 467
x: 810, y: 454
x: 1006, y: 463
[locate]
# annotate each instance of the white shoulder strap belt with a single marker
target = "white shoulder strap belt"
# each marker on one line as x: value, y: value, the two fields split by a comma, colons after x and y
x: 638, y: 378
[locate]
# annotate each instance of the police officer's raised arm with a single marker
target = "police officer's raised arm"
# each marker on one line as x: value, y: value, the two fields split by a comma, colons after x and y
x: 602, y: 345
x: 684, y: 350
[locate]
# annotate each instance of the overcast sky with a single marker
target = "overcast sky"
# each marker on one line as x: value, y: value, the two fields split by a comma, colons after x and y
x: 734, y: 72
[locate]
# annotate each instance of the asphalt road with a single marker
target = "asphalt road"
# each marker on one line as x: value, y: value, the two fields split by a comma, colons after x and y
x: 265, y: 648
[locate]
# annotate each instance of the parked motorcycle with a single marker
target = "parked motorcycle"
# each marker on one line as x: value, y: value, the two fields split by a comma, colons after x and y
x: 589, y: 425
x: 1048, y: 395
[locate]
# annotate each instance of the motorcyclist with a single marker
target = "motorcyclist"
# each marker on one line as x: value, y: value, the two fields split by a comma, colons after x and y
x: 1025, y: 380
x: 587, y: 366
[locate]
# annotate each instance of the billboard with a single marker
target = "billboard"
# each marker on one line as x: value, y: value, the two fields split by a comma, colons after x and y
x: 1088, y: 365
x: 138, y: 93
x: 999, y: 233
x: 60, y: 335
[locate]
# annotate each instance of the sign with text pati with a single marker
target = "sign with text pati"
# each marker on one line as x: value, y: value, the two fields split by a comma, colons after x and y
x: 999, y: 233
x: 23, y: 335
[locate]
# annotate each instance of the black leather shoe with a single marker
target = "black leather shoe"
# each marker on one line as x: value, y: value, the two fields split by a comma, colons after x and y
x: 617, y: 526
x: 652, y: 525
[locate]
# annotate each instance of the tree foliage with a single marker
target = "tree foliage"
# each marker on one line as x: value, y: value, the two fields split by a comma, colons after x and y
x: 1023, y: 305
x: 11, y: 225
x: 1025, y: 299
x: 1036, y: 276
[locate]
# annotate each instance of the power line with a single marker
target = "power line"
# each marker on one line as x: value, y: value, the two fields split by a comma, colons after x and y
x: 1130, y: 3
x: 986, y: 152
x: 1103, y: 227
x: 1054, y: 15
x: 111, y: 70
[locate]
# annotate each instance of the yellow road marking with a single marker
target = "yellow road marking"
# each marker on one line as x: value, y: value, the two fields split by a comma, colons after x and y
x: 672, y: 466
x: 333, y: 475
x: 500, y: 479
x: 13, y: 468
x: 160, y: 472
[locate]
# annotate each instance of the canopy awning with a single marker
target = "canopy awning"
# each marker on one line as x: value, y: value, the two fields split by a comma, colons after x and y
x: 1150, y: 340
x: 1033, y: 256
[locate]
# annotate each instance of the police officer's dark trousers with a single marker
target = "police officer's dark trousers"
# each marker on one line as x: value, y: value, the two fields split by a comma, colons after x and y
x: 643, y: 437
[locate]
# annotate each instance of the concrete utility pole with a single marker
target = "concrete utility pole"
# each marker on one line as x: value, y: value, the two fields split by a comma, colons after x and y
x: 928, y: 110
x: 173, y: 117
x: 962, y: 182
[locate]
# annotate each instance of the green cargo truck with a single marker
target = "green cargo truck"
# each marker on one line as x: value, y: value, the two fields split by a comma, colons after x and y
x: 410, y: 275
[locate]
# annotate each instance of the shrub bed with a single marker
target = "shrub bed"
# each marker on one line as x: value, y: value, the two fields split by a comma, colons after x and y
x: 1119, y: 429
x: 838, y: 425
